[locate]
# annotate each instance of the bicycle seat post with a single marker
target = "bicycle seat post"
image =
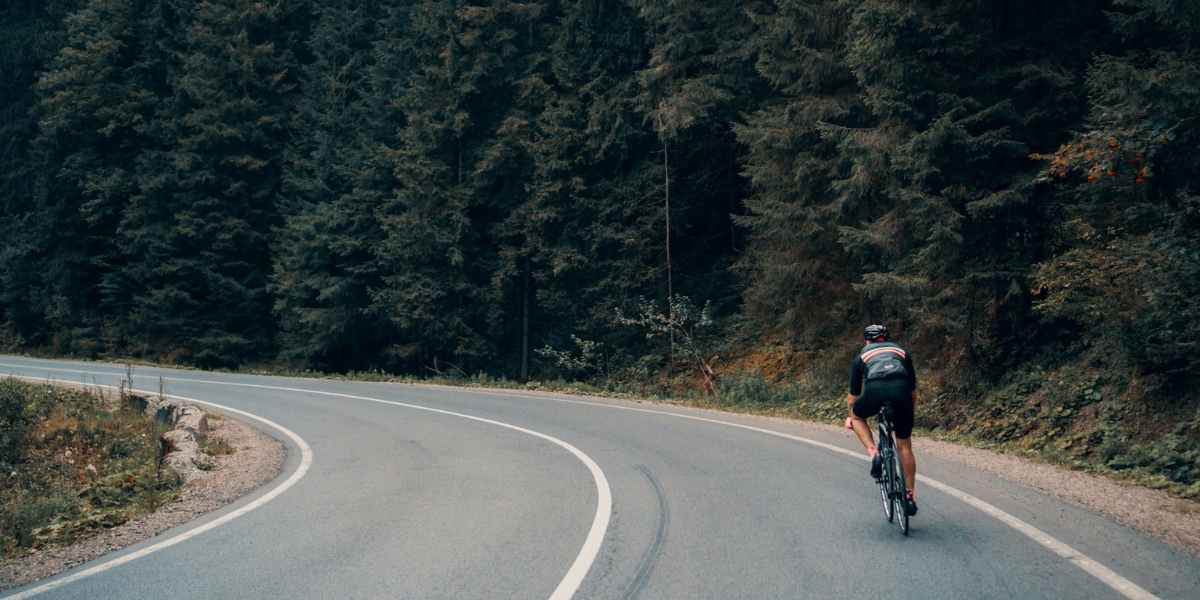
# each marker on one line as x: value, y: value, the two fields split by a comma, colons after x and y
x: 886, y: 413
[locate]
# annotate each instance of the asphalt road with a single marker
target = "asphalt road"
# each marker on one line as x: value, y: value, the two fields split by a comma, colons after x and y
x: 490, y: 495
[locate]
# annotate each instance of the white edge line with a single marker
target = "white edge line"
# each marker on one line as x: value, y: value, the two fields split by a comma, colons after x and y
x: 305, y: 462
x: 566, y: 588
x: 1104, y: 574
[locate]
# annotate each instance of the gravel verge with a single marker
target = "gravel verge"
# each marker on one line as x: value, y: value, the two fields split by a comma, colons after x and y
x: 257, y: 459
x: 1173, y: 521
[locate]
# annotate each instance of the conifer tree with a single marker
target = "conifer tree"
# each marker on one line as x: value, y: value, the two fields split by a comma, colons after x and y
x: 942, y: 171
x: 694, y: 87
x: 433, y: 258
x: 93, y: 97
x: 575, y: 231
x: 323, y: 262
x: 797, y: 277
x: 31, y: 33
x: 196, y: 231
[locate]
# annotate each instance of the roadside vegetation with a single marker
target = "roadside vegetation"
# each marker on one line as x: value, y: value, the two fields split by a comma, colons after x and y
x: 74, y: 462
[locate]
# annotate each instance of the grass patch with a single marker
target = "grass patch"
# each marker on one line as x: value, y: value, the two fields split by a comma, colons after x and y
x: 73, y: 463
x: 214, y: 446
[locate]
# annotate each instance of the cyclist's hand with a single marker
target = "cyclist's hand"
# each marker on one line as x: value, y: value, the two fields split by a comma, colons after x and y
x: 849, y: 422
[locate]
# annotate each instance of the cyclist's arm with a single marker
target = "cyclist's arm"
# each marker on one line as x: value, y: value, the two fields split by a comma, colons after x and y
x: 912, y: 378
x: 856, y: 377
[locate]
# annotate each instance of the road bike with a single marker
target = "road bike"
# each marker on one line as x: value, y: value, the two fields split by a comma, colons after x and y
x: 892, y: 486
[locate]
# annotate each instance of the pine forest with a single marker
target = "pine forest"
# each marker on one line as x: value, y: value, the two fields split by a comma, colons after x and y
x: 702, y: 199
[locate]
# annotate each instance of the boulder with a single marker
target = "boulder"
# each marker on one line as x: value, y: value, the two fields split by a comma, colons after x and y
x: 183, y: 454
x: 183, y: 415
x: 192, y: 418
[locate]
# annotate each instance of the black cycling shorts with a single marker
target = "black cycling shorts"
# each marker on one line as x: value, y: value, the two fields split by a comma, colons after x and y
x: 878, y: 393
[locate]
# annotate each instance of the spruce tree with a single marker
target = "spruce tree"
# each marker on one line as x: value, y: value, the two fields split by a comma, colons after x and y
x: 31, y: 33
x: 695, y: 85
x: 323, y: 262
x: 433, y: 257
x: 940, y: 181
x: 93, y: 98
x: 575, y: 233
x: 797, y: 278
x: 196, y: 231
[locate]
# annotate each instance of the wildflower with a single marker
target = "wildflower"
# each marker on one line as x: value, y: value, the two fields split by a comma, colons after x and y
x: 91, y: 469
x: 13, y: 474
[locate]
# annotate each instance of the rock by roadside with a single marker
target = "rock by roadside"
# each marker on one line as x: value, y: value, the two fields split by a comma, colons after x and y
x: 257, y: 459
x: 181, y: 452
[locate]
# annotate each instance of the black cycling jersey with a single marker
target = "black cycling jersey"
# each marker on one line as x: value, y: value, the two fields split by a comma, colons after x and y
x: 858, y: 369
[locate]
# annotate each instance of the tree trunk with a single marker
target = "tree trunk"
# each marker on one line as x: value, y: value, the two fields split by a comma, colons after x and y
x: 670, y: 290
x: 525, y: 321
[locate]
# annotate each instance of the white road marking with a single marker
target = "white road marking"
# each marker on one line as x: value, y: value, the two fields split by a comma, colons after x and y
x: 566, y: 588
x: 305, y: 462
x: 1104, y: 574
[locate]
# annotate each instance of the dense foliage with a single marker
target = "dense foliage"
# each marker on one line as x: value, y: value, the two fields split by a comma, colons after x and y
x: 444, y: 187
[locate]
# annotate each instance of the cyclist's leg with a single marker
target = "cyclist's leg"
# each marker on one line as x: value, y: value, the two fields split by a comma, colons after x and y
x: 902, y: 413
x: 904, y: 449
x: 861, y: 409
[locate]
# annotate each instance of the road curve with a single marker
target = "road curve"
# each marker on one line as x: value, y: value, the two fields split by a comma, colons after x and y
x: 405, y: 497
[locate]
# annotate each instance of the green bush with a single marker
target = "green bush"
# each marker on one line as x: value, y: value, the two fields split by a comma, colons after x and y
x: 12, y: 423
x: 752, y: 390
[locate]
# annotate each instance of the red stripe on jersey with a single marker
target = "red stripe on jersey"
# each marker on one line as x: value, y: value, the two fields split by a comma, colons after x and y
x: 873, y: 353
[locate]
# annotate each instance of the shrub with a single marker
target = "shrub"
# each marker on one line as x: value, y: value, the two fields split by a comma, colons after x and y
x: 12, y: 423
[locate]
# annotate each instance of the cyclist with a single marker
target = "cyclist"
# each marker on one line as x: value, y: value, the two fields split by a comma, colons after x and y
x: 889, y: 377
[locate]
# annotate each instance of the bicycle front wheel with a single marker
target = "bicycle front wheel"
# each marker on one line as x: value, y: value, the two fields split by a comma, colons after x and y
x: 885, y: 480
x: 900, y: 492
x: 885, y: 485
